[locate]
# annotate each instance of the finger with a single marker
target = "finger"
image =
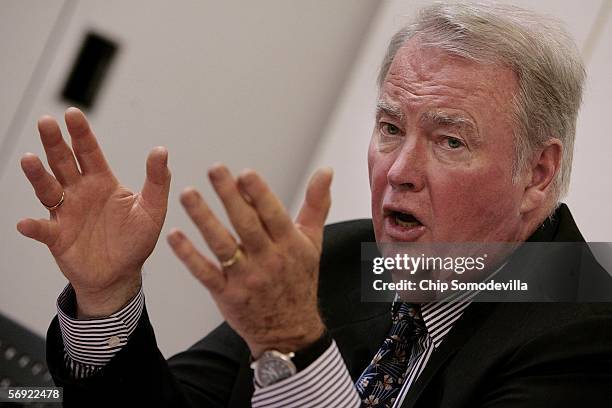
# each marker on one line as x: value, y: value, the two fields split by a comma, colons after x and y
x: 242, y: 216
x: 317, y: 202
x: 157, y: 183
x: 202, y: 268
x: 44, y: 231
x: 270, y: 209
x: 86, y: 148
x: 217, y: 237
x: 59, y: 155
x: 47, y: 188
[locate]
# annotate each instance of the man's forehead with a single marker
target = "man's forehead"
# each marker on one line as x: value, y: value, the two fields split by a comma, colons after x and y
x: 420, y: 62
x: 477, y: 90
x: 417, y: 63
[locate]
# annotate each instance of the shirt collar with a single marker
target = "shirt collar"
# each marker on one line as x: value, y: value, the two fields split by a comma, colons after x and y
x: 440, y: 317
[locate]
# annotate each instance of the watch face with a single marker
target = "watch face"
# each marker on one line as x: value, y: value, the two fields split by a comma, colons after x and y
x: 272, y: 369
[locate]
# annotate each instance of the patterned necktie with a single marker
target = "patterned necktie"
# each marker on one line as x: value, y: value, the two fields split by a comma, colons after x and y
x: 381, y: 381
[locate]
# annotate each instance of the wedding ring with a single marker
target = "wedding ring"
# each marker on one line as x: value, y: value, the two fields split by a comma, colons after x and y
x: 237, y: 255
x: 56, y: 206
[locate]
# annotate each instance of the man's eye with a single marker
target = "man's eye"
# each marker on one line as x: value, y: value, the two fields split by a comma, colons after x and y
x: 453, y: 142
x: 390, y: 129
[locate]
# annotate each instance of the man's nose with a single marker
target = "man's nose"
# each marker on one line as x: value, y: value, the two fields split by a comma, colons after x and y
x: 408, y: 169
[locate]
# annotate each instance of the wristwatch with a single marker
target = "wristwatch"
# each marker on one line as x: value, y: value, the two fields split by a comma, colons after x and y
x: 273, y: 366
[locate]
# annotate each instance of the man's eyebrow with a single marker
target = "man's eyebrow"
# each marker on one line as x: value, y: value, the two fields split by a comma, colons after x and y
x: 442, y: 118
x: 389, y: 109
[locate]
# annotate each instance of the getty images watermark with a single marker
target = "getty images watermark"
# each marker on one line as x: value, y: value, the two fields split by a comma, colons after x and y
x: 459, y: 265
x: 487, y: 272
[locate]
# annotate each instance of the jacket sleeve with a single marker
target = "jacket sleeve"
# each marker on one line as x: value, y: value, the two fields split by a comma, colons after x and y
x: 203, y: 375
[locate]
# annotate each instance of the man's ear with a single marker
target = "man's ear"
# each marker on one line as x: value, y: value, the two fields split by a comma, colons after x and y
x: 544, y: 167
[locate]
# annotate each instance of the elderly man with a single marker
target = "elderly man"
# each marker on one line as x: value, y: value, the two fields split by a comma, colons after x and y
x: 472, y: 142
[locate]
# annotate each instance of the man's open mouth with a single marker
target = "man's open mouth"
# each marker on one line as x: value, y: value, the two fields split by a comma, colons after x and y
x: 405, y: 219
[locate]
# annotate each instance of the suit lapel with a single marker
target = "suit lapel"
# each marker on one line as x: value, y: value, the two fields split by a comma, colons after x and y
x: 359, y: 341
x: 473, y: 317
x: 358, y: 328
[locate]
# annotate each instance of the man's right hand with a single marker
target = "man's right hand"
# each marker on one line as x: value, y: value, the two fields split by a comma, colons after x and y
x: 102, y: 233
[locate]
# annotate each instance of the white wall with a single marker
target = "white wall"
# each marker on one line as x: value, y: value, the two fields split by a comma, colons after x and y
x: 347, y: 135
x: 250, y: 84
x: 24, y: 33
x: 591, y: 188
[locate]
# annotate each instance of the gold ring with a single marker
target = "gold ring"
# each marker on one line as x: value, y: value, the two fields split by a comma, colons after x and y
x: 56, y: 206
x: 237, y: 255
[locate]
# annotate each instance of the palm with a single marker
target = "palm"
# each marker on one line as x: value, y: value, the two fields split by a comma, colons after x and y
x: 102, y: 233
x: 109, y: 227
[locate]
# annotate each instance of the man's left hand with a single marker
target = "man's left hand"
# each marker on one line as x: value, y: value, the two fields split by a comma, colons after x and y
x: 266, y: 284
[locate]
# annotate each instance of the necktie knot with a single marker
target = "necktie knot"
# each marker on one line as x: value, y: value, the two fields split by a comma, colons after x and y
x: 407, y: 322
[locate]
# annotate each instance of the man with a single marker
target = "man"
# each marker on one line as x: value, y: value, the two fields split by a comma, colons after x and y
x: 472, y: 142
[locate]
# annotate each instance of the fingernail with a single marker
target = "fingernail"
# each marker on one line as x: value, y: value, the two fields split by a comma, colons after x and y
x: 28, y: 162
x: 174, y: 237
x: 188, y: 197
x: 216, y: 172
x: 164, y: 153
x: 322, y: 172
x: 327, y: 170
x: 247, y: 176
x: 73, y: 109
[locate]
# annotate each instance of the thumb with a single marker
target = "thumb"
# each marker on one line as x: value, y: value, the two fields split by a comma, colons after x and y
x: 157, y: 183
x: 315, y: 208
x: 41, y: 230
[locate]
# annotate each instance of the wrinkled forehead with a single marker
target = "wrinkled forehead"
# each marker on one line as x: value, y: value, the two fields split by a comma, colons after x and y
x: 418, y: 53
x: 419, y: 72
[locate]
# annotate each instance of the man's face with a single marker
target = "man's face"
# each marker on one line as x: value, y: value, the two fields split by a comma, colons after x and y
x: 441, y: 155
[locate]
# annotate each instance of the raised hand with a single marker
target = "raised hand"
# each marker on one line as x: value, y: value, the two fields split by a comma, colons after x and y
x: 266, y: 284
x: 101, y: 233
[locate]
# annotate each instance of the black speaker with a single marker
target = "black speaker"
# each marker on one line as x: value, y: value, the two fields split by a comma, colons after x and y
x: 89, y: 70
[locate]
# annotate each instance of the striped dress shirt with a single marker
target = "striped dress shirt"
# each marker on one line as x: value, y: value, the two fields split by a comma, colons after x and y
x: 90, y: 344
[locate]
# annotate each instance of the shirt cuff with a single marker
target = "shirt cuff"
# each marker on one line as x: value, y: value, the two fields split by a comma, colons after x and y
x: 94, y: 342
x: 326, y: 379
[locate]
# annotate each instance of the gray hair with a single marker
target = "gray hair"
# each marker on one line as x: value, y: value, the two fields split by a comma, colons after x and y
x: 537, y: 48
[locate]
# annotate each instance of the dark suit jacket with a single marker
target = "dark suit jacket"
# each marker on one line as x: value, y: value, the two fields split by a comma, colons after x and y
x: 497, y: 355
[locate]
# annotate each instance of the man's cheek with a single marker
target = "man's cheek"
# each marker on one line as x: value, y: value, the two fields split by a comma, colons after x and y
x: 476, y: 201
x: 463, y: 199
x: 371, y: 161
x: 453, y: 188
x: 377, y: 188
x: 379, y: 183
x: 377, y: 171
